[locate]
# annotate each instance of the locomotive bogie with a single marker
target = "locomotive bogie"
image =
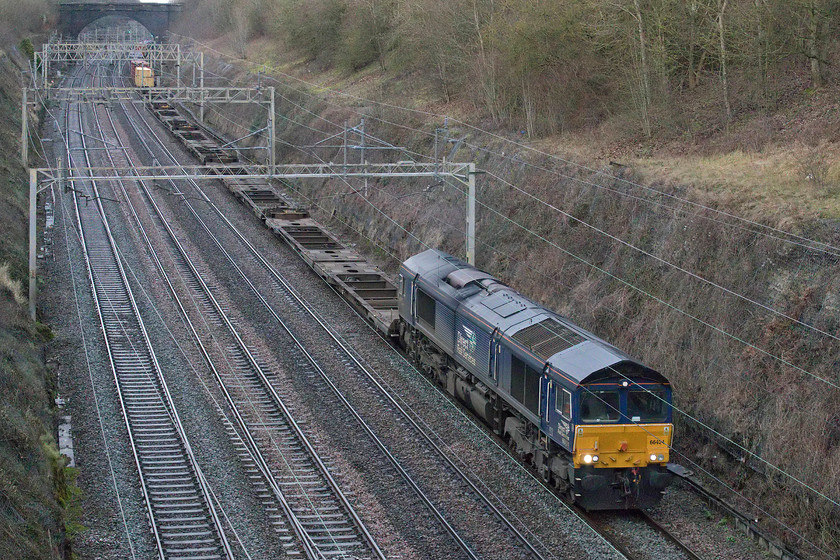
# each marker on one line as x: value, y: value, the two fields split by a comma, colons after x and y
x: 614, y: 488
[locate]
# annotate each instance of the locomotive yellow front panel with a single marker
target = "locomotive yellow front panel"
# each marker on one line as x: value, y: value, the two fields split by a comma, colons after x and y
x: 622, y: 445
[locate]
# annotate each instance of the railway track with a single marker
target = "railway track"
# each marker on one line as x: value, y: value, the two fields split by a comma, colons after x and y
x: 634, y: 533
x: 318, y: 374
x: 620, y: 529
x: 183, y: 520
x: 266, y: 429
x: 635, y: 522
x: 292, y: 474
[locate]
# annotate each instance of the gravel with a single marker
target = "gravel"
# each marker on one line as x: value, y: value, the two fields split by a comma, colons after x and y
x: 539, y: 512
x: 107, y: 474
x: 711, y: 535
x: 402, y: 525
x: 106, y: 464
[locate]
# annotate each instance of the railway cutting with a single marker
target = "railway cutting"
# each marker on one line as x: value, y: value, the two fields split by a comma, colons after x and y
x: 283, y: 395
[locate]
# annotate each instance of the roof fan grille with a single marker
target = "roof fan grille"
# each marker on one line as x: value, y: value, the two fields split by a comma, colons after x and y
x: 548, y: 337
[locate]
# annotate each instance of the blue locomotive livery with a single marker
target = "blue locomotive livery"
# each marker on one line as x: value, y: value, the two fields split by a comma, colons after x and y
x: 593, y: 421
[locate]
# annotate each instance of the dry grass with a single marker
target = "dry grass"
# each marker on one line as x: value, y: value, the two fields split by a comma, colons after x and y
x: 795, y: 181
x: 14, y: 287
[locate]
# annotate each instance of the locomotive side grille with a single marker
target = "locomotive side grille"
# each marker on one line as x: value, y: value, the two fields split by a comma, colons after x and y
x: 548, y: 337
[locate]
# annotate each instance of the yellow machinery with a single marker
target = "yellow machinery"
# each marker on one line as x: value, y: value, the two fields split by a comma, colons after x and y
x: 144, y: 77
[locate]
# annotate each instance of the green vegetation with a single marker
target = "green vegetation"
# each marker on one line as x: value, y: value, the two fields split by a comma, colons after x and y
x: 551, y: 66
x: 31, y: 471
x: 27, y: 48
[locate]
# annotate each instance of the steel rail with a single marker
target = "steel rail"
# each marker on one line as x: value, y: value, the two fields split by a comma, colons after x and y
x: 284, y: 284
x: 277, y: 400
x: 586, y: 516
x: 182, y: 518
x: 673, y: 539
x: 748, y: 524
x: 250, y: 444
x: 169, y: 405
x: 102, y: 322
x: 304, y: 534
x: 599, y: 522
x: 309, y: 170
x: 313, y: 549
x: 365, y: 427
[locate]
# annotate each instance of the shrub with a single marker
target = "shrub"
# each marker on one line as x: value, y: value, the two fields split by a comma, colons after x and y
x: 27, y: 48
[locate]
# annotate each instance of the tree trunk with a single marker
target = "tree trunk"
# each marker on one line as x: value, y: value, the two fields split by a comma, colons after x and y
x: 724, y: 78
x: 440, y: 64
x: 661, y: 55
x: 697, y: 51
x: 692, y: 44
x: 814, y: 44
x: 692, y: 78
x: 528, y: 106
x: 377, y: 17
x: 488, y: 70
x: 644, y: 70
x: 763, y: 46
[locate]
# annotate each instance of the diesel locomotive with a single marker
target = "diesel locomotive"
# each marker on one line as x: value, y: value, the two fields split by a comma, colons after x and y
x: 592, y: 420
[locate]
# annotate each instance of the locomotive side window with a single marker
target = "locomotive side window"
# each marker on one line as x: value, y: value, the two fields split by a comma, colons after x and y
x: 564, y: 403
x: 426, y: 308
x: 646, y: 406
x: 599, y: 406
x: 525, y: 384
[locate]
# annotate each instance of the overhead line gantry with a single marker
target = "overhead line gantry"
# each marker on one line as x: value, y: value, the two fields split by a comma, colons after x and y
x: 75, y: 52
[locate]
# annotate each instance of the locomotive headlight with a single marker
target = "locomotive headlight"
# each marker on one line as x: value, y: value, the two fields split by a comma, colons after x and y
x: 653, y: 457
x: 587, y: 459
x: 594, y: 458
x: 661, y: 457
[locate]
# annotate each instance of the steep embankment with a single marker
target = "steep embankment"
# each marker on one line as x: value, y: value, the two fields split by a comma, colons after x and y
x: 739, y: 314
x: 32, y: 474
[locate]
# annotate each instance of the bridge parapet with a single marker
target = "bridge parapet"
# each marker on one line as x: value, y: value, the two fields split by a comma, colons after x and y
x: 75, y: 15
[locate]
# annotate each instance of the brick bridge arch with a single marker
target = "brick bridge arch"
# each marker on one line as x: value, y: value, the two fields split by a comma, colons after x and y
x: 75, y: 15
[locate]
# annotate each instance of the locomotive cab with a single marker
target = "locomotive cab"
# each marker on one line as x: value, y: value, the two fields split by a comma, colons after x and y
x: 622, y: 435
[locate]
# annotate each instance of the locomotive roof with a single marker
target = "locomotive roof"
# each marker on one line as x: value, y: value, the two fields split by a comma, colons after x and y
x: 548, y: 336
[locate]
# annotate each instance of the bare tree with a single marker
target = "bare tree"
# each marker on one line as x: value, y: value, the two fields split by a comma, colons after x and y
x: 640, y: 89
x: 814, y: 40
x: 644, y: 68
x: 724, y: 77
x: 696, y: 15
x: 486, y: 64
